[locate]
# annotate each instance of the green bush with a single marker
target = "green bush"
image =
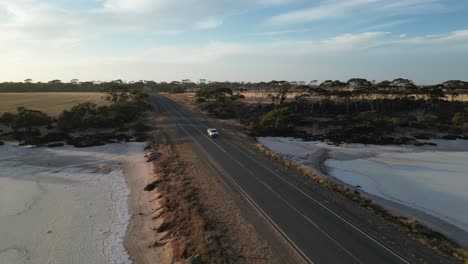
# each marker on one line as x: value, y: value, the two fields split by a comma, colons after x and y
x: 458, y: 119
x: 27, y: 118
x: 124, y: 109
x: 80, y: 116
x: 7, y: 118
x: 200, y: 100
x: 281, y: 119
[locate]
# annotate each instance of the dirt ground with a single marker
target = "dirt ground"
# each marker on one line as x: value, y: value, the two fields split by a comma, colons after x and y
x: 50, y: 103
x: 141, y: 235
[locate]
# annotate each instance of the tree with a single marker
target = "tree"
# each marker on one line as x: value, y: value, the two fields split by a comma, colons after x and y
x: 458, y: 119
x: 7, y: 118
x: 280, y: 90
x: 401, y: 85
x: 55, y: 82
x: 213, y: 91
x: 358, y: 83
x: 455, y: 87
x: 27, y: 118
x: 280, y: 119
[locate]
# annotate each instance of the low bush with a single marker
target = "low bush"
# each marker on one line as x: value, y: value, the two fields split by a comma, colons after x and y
x: 279, y: 120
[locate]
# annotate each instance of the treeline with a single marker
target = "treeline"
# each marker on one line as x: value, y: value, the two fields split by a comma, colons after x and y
x: 72, y: 86
x: 124, y: 107
x: 336, y: 88
x: 355, y: 87
x: 355, y: 111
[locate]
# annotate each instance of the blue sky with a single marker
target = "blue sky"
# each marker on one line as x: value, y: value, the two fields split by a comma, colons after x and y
x: 237, y: 40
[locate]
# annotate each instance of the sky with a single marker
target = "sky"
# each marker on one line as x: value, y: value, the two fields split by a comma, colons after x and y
x: 233, y: 40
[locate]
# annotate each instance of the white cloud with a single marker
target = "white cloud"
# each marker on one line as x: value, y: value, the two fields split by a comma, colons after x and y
x: 209, y: 23
x: 274, y: 2
x: 139, y: 6
x: 339, y: 8
x: 324, y: 11
x: 350, y: 41
x: 413, y: 6
x: 53, y: 21
x: 457, y: 36
x: 346, y: 44
x: 216, y: 51
x: 281, y: 32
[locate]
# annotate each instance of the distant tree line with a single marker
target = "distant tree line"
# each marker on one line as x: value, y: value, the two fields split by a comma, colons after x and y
x: 277, y: 90
x: 73, y: 86
x: 354, y: 111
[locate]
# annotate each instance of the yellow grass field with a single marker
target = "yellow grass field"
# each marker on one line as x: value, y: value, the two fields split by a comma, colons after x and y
x: 50, y: 103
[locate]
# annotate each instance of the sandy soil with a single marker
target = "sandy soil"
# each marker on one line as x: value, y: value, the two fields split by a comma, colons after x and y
x: 64, y: 205
x: 142, y: 236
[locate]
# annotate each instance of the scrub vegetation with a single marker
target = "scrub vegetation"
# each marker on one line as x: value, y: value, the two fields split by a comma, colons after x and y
x: 356, y: 111
x: 85, y: 124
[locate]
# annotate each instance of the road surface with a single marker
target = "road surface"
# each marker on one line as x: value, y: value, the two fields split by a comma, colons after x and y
x: 316, y: 232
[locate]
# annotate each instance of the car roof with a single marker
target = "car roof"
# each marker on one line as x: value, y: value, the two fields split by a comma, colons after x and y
x: 212, y: 129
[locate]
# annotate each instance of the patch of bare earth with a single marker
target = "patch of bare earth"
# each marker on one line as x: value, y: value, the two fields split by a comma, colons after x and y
x: 192, y: 214
x: 407, y: 236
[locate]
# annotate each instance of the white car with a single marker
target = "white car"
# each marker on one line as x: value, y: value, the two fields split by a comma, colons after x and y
x: 212, y: 132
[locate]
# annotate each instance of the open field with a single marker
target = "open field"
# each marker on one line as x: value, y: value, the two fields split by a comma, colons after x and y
x: 50, y: 103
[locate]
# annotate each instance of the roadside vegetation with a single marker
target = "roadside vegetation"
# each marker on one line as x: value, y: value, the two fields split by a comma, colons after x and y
x: 85, y: 124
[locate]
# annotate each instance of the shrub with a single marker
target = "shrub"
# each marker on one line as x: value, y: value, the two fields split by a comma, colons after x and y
x: 281, y: 119
x: 458, y: 119
x: 7, y: 118
x: 140, y: 127
x: 27, y: 118
x: 87, y: 115
x: 200, y: 100
x: 80, y: 116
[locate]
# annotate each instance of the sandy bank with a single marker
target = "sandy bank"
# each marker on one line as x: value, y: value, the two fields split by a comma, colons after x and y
x: 65, y: 205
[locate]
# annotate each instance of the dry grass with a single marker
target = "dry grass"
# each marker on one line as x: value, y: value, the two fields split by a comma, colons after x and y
x: 50, y: 103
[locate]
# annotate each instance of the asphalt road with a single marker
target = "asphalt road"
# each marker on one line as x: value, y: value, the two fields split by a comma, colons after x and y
x: 319, y: 234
